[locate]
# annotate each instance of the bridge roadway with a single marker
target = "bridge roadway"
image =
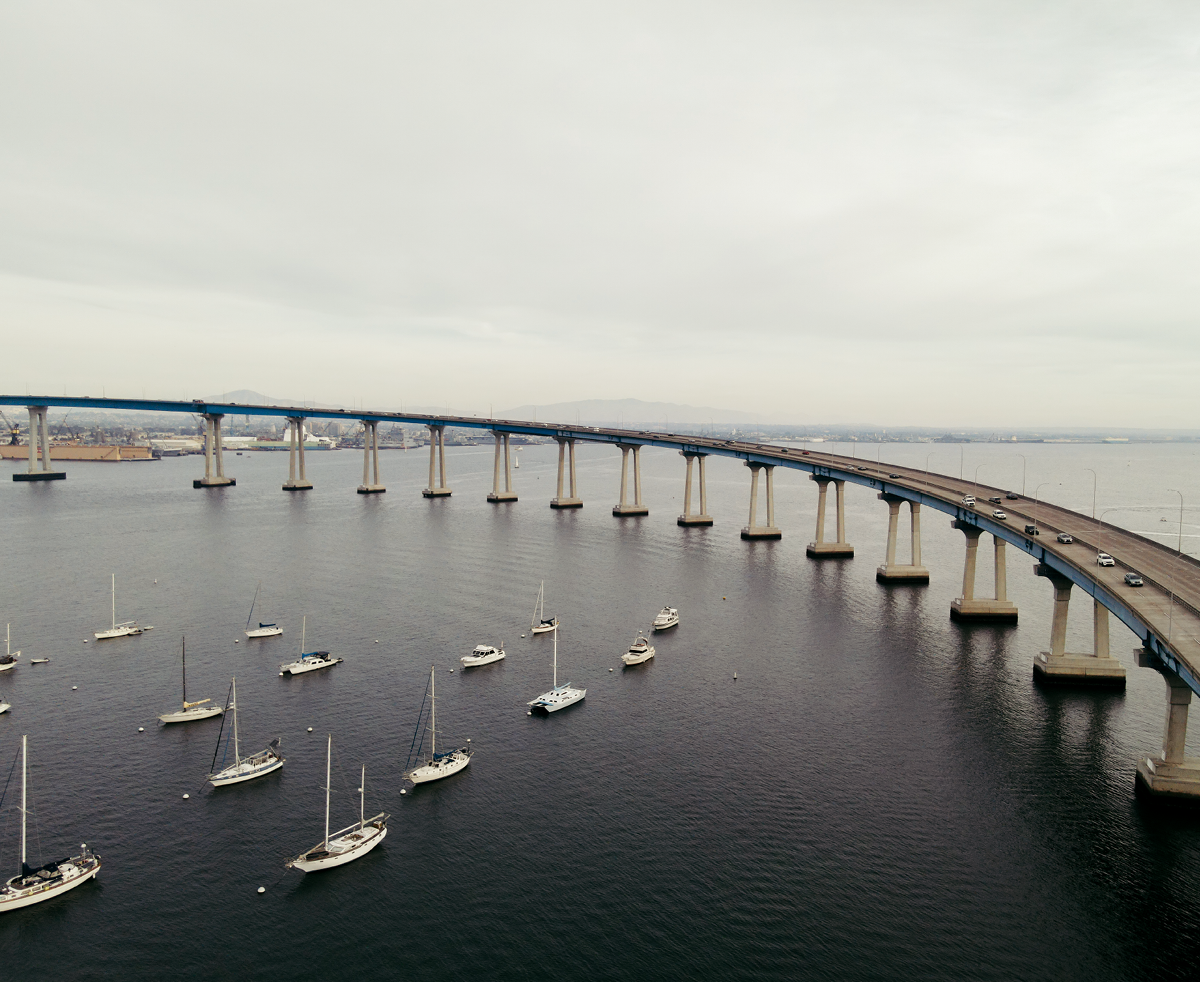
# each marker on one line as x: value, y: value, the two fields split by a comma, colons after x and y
x: 1164, y: 614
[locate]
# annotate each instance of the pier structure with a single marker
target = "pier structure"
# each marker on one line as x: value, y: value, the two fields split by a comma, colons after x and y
x: 1060, y: 667
x: 1170, y: 773
x: 508, y: 494
x: 39, y: 446
x: 566, y: 448
x: 214, y: 455
x: 623, y: 508
x: 296, y: 453
x: 688, y: 518
x: 437, y: 454
x: 819, y: 548
x: 891, y: 571
x: 752, y: 530
x: 968, y: 607
x: 371, y: 459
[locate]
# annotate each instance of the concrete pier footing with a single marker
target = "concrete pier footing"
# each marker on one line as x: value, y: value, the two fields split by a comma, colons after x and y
x: 214, y: 455
x: 891, y: 571
x: 1061, y: 667
x: 753, y: 531
x: 998, y: 609
x: 496, y: 495
x: 689, y: 518
x: 1170, y: 774
x: 819, y: 548
x: 296, y: 450
x: 371, y: 455
x: 566, y: 447
x: 624, y: 507
x: 39, y: 449
x: 437, y: 487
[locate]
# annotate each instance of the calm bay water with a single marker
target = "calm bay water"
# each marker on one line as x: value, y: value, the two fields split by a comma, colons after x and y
x: 880, y: 794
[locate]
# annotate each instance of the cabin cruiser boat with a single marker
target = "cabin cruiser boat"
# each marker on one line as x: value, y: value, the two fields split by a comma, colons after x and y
x: 484, y: 654
x: 641, y: 650
x: 667, y: 617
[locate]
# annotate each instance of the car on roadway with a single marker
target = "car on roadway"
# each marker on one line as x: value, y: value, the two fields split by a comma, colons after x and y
x: 1013, y: 497
x: 1104, y: 559
x: 1032, y: 530
x: 999, y: 516
x: 1065, y: 538
x: 969, y: 500
x: 893, y: 476
x: 1132, y: 579
x: 995, y: 500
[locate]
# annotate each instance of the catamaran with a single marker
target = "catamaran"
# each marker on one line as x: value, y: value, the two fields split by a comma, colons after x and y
x: 263, y: 630
x: 309, y: 661
x: 561, y: 696
x: 31, y: 886
x: 484, y: 654
x: 667, y: 617
x: 191, y: 710
x: 9, y: 661
x: 436, y: 765
x: 125, y: 628
x: 242, y: 768
x: 351, y: 842
x: 540, y: 623
x: 641, y: 650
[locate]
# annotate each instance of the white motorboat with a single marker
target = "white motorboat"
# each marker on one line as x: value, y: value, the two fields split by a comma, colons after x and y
x: 641, y: 650
x: 126, y: 628
x: 242, y: 768
x: 263, y: 630
x: 484, y: 654
x: 309, y: 661
x: 5, y: 706
x: 419, y: 768
x: 351, y: 842
x: 31, y: 886
x: 37, y: 661
x: 667, y: 617
x: 561, y: 696
x: 191, y: 710
x: 540, y: 623
x: 9, y: 661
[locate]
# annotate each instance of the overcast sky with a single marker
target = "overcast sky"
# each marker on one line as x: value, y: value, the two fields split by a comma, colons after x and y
x: 973, y: 213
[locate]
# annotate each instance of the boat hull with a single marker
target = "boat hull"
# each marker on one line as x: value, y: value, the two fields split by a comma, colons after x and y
x: 265, y: 632
x: 541, y: 629
x: 470, y: 661
x: 236, y: 775
x: 436, y: 771
x: 300, y: 667
x: 8, y: 666
x: 313, y: 861
x: 120, y: 632
x: 13, y: 899
x: 5, y: 707
x: 560, y: 698
x: 631, y: 658
x: 666, y: 626
x: 191, y: 715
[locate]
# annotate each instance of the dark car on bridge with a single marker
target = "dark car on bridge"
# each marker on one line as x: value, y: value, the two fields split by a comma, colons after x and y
x: 1065, y: 538
x: 1013, y: 497
x: 1132, y: 579
x: 1032, y: 530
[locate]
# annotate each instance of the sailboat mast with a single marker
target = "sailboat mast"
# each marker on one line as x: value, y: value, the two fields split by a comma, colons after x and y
x: 362, y: 797
x: 303, y: 628
x: 328, y: 758
x: 183, y: 655
x: 433, y: 711
x: 253, y: 602
x: 237, y: 756
x: 24, y: 782
x: 556, y: 656
x: 114, y: 601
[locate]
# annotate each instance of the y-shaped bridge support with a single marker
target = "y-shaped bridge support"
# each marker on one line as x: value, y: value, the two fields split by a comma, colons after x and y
x: 625, y: 508
x: 371, y: 456
x: 1060, y: 667
x: 296, y: 448
x: 214, y: 453
x: 687, y: 518
x: 437, y: 445
x: 1170, y: 774
x: 39, y: 439
x: 891, y: 571
x: 508, y: 494
x: 970, y: 608
x: 819, y: 548
x: 754, y: 530
x: 565, y: 445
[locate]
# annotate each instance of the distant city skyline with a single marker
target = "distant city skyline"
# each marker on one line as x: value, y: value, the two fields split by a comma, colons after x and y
x: 919, y: 215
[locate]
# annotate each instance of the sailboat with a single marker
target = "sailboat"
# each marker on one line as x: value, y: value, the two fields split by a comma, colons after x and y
x: 9, y: 661
x: 561, y: 696
x: 31, y: 886
x: 436, y: 765
x: 243, y: 768
x: 263, y: 630
x: 351, y: 842
x: 191, y: 710
x: 309, y: 661
x: 540, y: 623
x: 125, y: 628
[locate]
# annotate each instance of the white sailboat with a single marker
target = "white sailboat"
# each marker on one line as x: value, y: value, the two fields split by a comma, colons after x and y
x: 243, y: 768
x: 191, y: 710
x: 309, y: 661
x: 483, y: 654
x: 667, y: 617
x: 351, y: 842
x: 561, y: 696
x: 640, y: 651
x: 9, y: 661
x: 263, y: 630
x: 31, y: 886
x: 125, y: 628
x: 436, y: 765
x: 540, y: 623
x: 5, y: 706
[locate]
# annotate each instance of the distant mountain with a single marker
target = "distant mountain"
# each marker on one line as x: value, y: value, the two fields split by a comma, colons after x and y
x: 628, y: 412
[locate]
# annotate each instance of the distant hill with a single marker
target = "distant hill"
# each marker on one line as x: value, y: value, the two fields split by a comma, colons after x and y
x: 598, y: 412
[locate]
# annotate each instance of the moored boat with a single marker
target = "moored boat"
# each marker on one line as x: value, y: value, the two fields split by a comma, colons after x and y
x: 124, y: 629
x: 8, y: 661
x: 242, y: 768
x: 667, y: 617
x: 540, y: 623
x: 640, y: 651
x: 263, y: 630
x: 190, y: 711
x: 483, y: 654
x: 561, y: 696
x: 419, y: 768
x: 309, y: 661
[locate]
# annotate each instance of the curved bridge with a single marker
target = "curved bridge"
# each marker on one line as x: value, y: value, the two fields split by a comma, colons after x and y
x: 1164, y: 614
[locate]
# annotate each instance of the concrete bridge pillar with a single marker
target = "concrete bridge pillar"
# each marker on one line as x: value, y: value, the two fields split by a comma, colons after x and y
x: 437, y: 487
x: 566, y: 447
x: 1170, y: 774
x: 891, y: 571
x: 214, y: 455
x: 371, y: 457
x: 39, y: 442
x: 968, y: 607
x: 688, y: 517
x: 507, y: 494
x: 753, y: 530
x: 624, y: 507
x: 819, y: 548
x: 1061, y: 667
x: 296, y: 450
